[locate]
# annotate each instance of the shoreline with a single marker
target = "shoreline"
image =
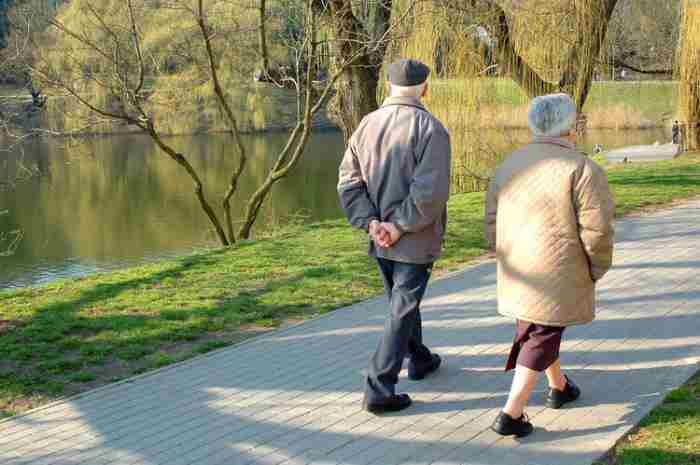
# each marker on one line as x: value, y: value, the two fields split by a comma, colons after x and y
x: 26, y: 275
x: 322, y: 128
x: 500, y: 105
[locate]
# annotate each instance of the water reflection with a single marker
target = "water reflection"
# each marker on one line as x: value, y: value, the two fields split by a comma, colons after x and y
x: 109, y: 202
x: 112, y: 201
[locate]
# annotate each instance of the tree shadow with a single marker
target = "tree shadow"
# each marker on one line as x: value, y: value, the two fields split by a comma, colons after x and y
x: 282, y: 397
x: 294, y: 396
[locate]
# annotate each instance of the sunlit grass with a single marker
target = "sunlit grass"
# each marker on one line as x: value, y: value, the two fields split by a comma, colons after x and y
x: 669, y: 435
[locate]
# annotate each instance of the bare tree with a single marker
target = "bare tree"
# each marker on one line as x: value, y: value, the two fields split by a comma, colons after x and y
x: 121, y: 70
x: 15, y: 110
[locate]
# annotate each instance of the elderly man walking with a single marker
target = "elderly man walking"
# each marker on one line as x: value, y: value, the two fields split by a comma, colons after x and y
x: 394, y: 184
x: 549, y: 215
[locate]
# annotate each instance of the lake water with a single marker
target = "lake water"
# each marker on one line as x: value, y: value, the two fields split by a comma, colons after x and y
x: 110, y: 202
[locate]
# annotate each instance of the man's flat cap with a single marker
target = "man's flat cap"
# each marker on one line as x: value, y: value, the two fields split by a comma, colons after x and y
x: 407, y: 73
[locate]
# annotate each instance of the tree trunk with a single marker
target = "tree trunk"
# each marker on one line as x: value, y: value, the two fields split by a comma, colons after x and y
x: 207, y: 37
x: 299, y: 136
x: 262, y: 39
x: 356, y: 97
x: 356, y: 92
x: 198, y: 186
x: 689, y: 55
x: 592, y: 19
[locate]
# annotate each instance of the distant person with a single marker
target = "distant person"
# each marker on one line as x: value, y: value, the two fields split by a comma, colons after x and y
x: 676, y: 133
x: 394, y: 184
x: 549, y: 216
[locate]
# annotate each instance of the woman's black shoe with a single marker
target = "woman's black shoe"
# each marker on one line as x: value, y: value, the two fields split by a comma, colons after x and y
x: 505, y: 425
x: 419, y: 371
x: 557, y: 398
x: 390, y: 404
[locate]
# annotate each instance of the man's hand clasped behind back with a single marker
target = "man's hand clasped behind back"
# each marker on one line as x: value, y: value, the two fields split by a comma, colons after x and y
x: 394, y: 181
x: 384, y: 234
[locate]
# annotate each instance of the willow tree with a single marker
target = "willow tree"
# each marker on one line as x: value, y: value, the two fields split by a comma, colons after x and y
x: 592, y: 20
x: 493, y: 57
x: 689, y: 70
x: 544, y: 46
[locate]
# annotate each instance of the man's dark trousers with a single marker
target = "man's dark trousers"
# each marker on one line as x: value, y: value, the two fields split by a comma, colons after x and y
x: 405, y: 285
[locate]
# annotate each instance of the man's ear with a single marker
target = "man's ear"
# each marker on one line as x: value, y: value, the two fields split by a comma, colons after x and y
x: 425, y: 90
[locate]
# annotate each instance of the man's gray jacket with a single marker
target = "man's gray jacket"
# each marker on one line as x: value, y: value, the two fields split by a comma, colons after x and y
x: 397, y: 169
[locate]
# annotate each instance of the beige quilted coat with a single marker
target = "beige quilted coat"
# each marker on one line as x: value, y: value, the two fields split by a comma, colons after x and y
x: 549, y: 215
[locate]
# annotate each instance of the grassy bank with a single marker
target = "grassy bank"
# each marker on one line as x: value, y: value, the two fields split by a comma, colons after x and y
x: 489, y: 103
x: 669, y: 435
x: 81, y: 333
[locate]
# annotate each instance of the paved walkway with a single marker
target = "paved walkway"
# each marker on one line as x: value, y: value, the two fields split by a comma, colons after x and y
x: 643, y: 153
x: 293, y: 397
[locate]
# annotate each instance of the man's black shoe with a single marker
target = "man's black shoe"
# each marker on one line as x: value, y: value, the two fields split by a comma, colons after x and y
x: 505, y: 425
x: 419, y: 371
x: 557, y: 398
x: 390, y: 404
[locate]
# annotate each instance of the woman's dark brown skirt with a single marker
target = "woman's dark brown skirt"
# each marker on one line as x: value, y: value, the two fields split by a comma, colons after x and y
x: 535, y: 346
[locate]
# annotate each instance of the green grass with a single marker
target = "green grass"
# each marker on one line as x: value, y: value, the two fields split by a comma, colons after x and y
x: 501, y: 103
x: 646, y: 185
x: 654, y: 99
x: 669, y: 435
x: 80, y: 333
x: 650, y: 95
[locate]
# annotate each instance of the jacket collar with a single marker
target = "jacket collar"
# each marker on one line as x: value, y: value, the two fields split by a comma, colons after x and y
x: 405, y: 101
x: 554, y: 141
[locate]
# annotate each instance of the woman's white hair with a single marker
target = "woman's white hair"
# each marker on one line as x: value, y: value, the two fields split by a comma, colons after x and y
x: 411, y: 91
x: 552, y: 115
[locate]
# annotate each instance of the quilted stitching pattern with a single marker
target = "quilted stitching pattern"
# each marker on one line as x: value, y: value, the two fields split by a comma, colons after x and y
x: 544, y: 272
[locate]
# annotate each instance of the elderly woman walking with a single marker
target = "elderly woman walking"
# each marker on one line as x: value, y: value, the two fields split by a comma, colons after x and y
x: 549, y: 216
